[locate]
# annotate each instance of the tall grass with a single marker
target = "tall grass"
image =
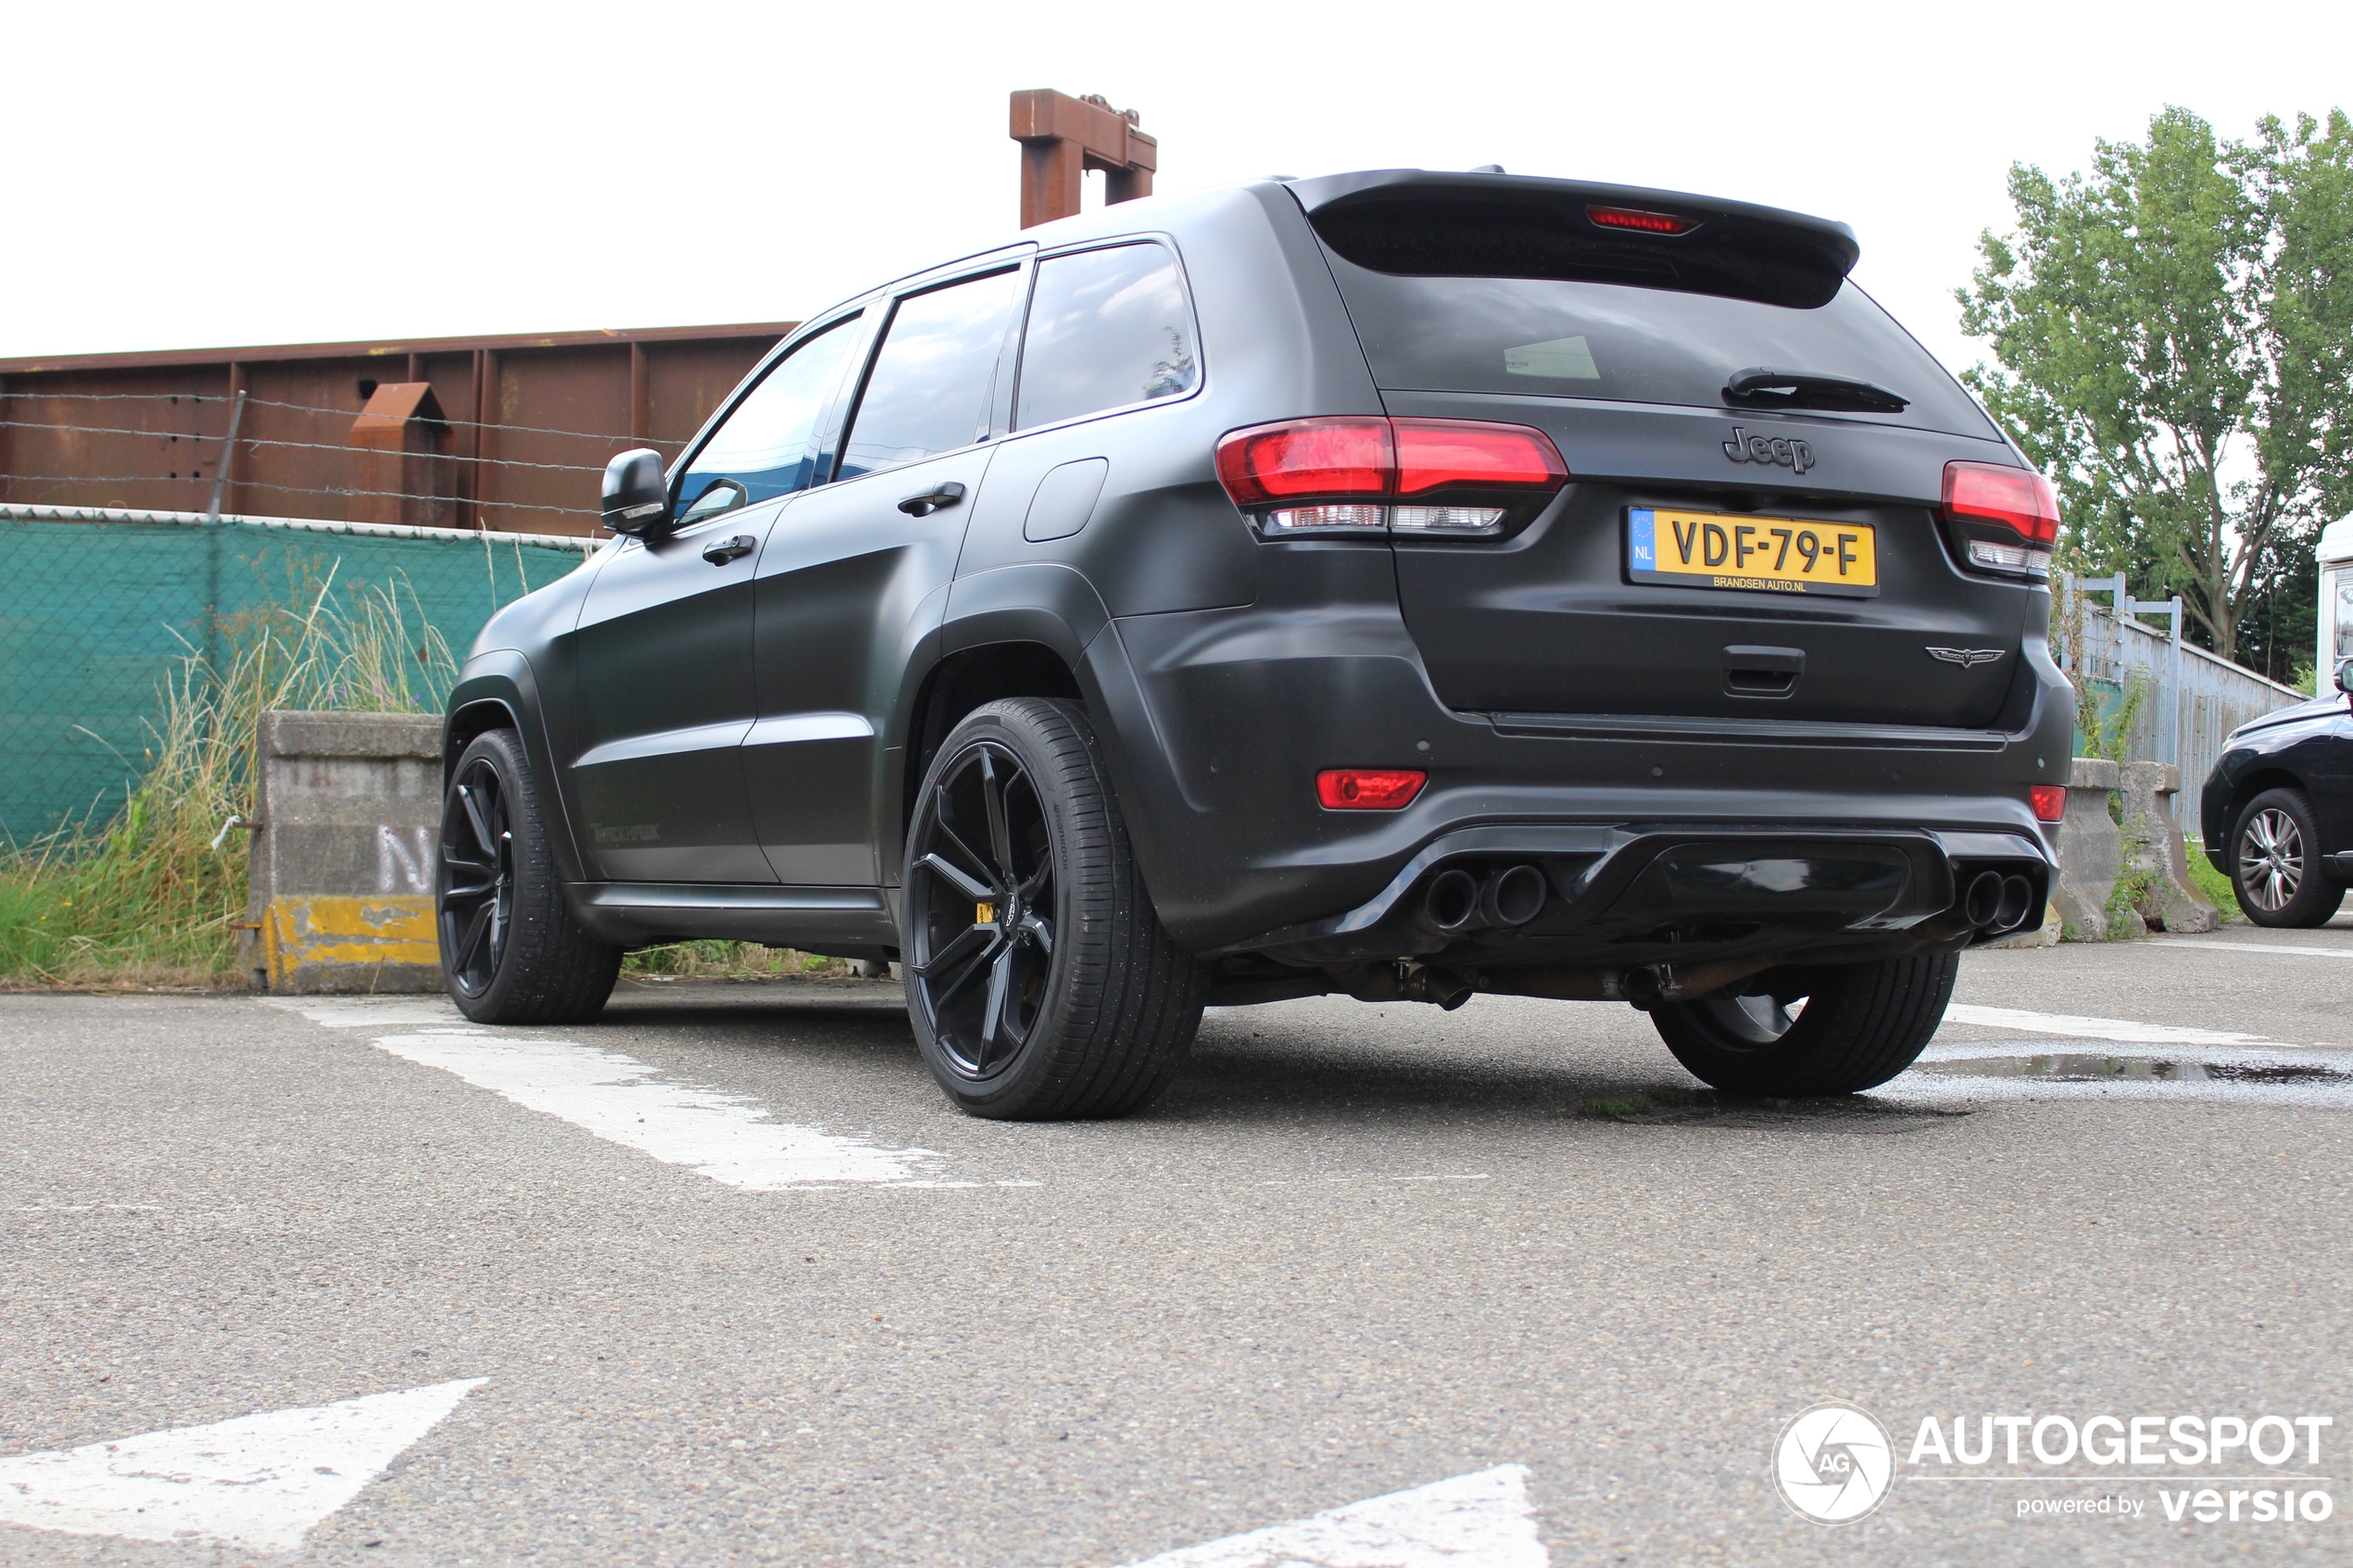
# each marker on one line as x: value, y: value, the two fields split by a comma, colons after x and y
x: 148, y: 896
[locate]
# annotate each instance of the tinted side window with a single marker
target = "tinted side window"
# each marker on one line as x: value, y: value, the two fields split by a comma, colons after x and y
x: 929, y: 392
x: 1107, y: 328
x: 767, y: 445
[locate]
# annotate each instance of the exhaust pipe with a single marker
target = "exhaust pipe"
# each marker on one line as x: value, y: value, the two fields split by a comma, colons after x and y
x: 1449, y: 905
x: 1983, y: 901
x: 2018, y: 896
x: 1511, y: 898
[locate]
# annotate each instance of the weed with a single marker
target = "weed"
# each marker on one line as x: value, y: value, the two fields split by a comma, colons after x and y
x: 147, y: 896
x: 2217, y: 887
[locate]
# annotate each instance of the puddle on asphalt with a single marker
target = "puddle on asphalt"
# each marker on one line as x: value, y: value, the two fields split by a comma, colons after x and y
x: 2072, y: 1068
x: 1972, y: 1072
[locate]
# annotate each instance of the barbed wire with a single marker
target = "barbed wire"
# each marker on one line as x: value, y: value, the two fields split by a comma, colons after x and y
x: 317, y: 408
x: 291, y: 490
x: 244, y: 440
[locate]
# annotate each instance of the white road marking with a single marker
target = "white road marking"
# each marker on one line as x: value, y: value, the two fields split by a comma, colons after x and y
x: 257, y: 1481
x: 2256, y: 947
x: 727, y: 1137
x: 1481, y: 1520
x: 2123, y: 1030
x: 730, y: 1138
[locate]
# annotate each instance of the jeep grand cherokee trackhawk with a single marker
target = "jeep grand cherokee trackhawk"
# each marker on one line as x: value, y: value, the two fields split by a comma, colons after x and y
x: 1401, y: 585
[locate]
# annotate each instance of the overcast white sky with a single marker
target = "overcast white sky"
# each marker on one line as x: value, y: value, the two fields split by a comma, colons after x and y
x: 244, y: 173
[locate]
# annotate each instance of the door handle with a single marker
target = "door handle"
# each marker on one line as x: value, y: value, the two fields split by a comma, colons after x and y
x: 931, y: 501
x: 720, y: 552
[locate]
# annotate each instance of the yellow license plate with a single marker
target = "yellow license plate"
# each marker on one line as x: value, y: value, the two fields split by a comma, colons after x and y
x: 1770, y: 554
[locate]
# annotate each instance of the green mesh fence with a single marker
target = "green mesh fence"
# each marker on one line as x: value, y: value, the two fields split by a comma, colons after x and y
x: 98, y: 608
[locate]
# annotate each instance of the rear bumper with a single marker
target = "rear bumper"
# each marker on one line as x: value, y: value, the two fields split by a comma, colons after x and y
x: 1216, y: 722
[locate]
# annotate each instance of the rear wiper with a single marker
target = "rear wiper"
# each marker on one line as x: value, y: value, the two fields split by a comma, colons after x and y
x: 1761, y: 388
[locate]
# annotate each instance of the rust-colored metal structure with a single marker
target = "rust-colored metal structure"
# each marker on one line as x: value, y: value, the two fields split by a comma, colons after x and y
x: 494, y: 433
x: 1062, y: 137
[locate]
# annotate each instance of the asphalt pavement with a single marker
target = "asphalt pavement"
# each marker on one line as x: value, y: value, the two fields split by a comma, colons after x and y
x: 722, y: 1278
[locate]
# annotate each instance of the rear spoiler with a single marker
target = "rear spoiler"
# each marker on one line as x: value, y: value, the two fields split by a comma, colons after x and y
x: 1418, y: 223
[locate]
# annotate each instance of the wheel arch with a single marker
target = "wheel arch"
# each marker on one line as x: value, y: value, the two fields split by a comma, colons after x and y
x: 497, y: 690
x: 967, y: 679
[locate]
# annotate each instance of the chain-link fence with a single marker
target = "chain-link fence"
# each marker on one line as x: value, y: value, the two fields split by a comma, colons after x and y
x: 98, y: 606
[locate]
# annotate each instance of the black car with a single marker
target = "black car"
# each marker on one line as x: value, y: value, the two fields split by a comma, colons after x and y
x: 1401, y: 585
x: 2277, y: 812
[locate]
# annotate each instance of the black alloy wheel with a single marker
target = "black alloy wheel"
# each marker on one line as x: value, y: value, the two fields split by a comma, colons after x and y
x: 511, y: 950
x: 477, y: 876
x: 980, y: 903
x: 1831, y: 1029
x: 2275, y: 866
x: 1040, y: 983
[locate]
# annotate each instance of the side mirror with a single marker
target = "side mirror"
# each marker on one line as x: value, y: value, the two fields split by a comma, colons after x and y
x: 637, y: 495
x: 2345, y: 675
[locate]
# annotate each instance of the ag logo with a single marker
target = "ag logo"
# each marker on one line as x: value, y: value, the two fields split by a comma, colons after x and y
x: 1833, y: 1464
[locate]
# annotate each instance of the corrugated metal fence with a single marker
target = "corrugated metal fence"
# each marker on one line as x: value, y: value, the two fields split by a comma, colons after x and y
x: 2190, y: 700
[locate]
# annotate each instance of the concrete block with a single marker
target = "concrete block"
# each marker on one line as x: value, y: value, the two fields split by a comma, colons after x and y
x: 2153, y: 846
x: 2091, y: 851
x: 347, y: 807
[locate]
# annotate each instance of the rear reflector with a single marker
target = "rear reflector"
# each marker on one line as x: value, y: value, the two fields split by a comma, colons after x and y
x: 2050, y: 802
x: 1645, y: 222
x: 1368, y: 789
x: 2007, y: 519
x: 1339, y: 475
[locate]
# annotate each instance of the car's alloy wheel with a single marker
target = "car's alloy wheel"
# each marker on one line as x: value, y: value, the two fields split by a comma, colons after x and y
x: 511, y: 950
x: 1040, y: 983
x: 980, y: 903
x: 2275, y: 865
x: 477, y: 876
x: 2271, y: 859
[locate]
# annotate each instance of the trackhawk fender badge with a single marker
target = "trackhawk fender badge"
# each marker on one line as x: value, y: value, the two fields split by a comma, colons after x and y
x: 1796, y: 456
x: 1966, y: 658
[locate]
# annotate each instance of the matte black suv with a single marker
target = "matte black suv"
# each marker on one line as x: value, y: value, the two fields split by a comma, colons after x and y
x: 2277, y: 812
x: 1400, y: 583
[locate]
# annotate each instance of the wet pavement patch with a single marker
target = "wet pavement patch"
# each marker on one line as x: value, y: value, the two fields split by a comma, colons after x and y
x: 1973, y: 1072
x: 2085, y: 1068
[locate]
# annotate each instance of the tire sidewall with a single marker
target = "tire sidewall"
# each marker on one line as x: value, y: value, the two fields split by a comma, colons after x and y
x: 1077, y: 948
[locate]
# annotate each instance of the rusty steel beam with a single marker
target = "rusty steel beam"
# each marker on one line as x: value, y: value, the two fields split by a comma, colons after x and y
x: 1062, y: 137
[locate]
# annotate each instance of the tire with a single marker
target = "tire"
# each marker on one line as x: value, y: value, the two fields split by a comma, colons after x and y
x: 1039, y: 981
x: 2275, y: 866
x: 511, y: 951
x: 1861, y: 1025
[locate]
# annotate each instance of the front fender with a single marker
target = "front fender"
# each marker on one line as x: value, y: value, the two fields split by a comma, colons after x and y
x: 498, y: 687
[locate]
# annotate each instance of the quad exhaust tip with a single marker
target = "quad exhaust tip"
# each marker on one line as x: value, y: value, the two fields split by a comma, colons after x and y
x: 1456, y: 903
x: 1997, y: 903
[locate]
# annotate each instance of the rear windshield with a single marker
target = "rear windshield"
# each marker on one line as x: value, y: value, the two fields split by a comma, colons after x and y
x: 1562, y: 338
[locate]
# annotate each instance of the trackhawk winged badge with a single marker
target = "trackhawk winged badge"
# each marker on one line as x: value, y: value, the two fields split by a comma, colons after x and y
x: 1966, y: 658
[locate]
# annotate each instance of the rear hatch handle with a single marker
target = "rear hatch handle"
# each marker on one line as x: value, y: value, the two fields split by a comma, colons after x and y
x: 1750, y: 671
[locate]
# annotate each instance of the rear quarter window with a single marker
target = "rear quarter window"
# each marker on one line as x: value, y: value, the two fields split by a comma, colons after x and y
x: 1625, y: 342
x: 1107, y: 328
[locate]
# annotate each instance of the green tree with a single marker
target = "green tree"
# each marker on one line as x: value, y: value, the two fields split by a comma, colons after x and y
x: 2173, y: 338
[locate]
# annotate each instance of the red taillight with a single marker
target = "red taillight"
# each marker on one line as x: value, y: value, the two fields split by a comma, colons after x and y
x: 2050, y: 802
x: 2016, y: 501
x: 1328, y: 458
x: 1368, y: 789
x: 1339, y: 475
x: 1468, y: 455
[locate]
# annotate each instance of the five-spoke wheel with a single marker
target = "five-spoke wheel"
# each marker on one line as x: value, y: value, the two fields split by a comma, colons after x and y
x: 477, y: 876
x: 511, y: 950
x: 980, y: 907
x: 1039, y: 981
